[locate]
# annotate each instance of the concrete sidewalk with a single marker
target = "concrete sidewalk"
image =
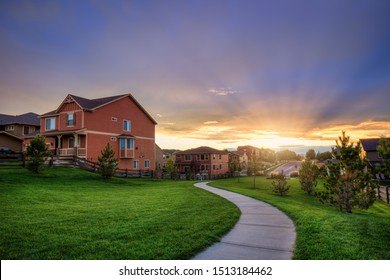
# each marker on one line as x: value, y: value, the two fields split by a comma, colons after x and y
x: 262, y: 233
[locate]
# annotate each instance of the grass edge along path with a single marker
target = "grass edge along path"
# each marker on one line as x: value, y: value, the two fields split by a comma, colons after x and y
x: 68, y: 213
x: 323, y: 232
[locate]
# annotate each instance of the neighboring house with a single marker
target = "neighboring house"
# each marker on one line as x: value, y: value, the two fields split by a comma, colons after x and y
x: 369, y: 151
x: 238, y: 161
x: 205, y: 161
x: 82, y: 127
x: 13, y: 129
x: 160, y: 158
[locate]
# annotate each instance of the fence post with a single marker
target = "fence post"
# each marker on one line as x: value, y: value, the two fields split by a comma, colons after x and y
x: 379, y: 191
x: 387, y: 195
x: 127, y: 174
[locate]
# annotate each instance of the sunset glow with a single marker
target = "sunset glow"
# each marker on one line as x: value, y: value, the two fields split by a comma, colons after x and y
x: 276, y: 74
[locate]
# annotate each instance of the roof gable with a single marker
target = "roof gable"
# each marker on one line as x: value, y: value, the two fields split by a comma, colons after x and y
x: 93, y: 104
x: 370, y: 144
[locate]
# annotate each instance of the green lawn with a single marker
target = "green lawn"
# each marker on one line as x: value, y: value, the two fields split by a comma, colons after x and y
x: 323, y: 232
x: 69, y: 213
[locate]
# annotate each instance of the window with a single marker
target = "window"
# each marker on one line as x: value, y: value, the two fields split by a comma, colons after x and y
x: 147, y: 163
x: 126, y: 125
x: 136, y: 164
x: 187, y: 157
x: 203, y: 157
x: 26, y: 130
x: 70, y: 120
x: 126, y: 147
x: 50, y: 124
x: 9, y: 127
x: 71, y: 142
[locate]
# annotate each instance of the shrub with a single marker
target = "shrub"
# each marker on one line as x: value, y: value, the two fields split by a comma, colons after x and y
x: 38, y: 152
x: 308, y: 176
x: 107, y: 163
x: 294, y: 174
x: 280, y: 185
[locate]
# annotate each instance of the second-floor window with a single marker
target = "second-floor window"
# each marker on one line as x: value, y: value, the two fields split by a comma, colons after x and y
x: 187, y: 157
x: 70, y: 120
x: 50, y: 124
x: 126, y: 125
x: 9, y: 128
x: 203, y: 157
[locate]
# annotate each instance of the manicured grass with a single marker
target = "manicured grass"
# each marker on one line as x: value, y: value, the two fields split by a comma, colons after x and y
x: 69, y: 213
x: 323, y: 232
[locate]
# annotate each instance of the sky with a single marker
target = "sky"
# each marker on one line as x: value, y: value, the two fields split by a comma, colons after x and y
x: 276, y: 74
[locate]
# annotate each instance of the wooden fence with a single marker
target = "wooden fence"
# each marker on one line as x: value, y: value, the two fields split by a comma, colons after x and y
x: 13, y: 159
x: 124, y: 173
x: 384, y: 193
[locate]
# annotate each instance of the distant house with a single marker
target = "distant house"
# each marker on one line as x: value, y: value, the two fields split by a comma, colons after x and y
x: 238, y: 160
x: 82, y: 127
x: 160, y: 158
x: 369, y: 151
x: 13, y: 129
x: 205, y: 161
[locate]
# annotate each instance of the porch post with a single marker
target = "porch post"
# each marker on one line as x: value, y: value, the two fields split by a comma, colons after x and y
x: 59, y: 146
x: 76, y: 136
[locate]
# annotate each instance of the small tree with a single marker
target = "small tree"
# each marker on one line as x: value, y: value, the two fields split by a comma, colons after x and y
x: 254, y: 166
x: 349, y: 183
x: 38, y: 153
x: 384, y: 152
x: 107, y: 162
x: 311, y: 154
x: 170, y: 167
x: 280, y: 185
x: 308, y: 176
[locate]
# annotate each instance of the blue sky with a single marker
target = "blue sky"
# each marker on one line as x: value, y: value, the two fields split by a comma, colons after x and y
x: 218, y: 73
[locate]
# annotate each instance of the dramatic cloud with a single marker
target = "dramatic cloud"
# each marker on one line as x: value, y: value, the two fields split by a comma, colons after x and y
x: 266, y: 73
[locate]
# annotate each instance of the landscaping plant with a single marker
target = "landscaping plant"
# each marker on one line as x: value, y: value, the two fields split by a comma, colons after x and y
x: 280, y: 186
x: 107, y: 163
x: 308, y: 176
x: 38, y: 153
x: 349, y: 182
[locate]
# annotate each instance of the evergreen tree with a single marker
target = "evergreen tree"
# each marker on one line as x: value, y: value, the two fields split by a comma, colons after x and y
x: 384, y: 152
x: 280, y: 185
x: 308, y: 176
x: 107, y: 162
x: 349, y: 183
x: 38, y: 153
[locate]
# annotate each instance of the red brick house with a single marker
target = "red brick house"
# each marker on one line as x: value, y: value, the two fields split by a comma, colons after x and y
x: 206, y: 161
x: 82, y: 127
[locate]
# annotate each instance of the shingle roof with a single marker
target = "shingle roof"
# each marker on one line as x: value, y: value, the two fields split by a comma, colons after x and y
x: 201, y: 150
x: 370, y: 144
x: 90, y: 104
x: 28, y: 118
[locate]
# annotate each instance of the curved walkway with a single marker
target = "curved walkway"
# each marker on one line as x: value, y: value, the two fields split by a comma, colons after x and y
x: 262, y: 233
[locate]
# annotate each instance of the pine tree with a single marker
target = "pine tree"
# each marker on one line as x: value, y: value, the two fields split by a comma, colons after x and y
x: 308, y: 176
x: 384, y: 152
x: 38, y: 153
x: 349, y: 183
x: 280, y: 185
x: 107, y: 163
